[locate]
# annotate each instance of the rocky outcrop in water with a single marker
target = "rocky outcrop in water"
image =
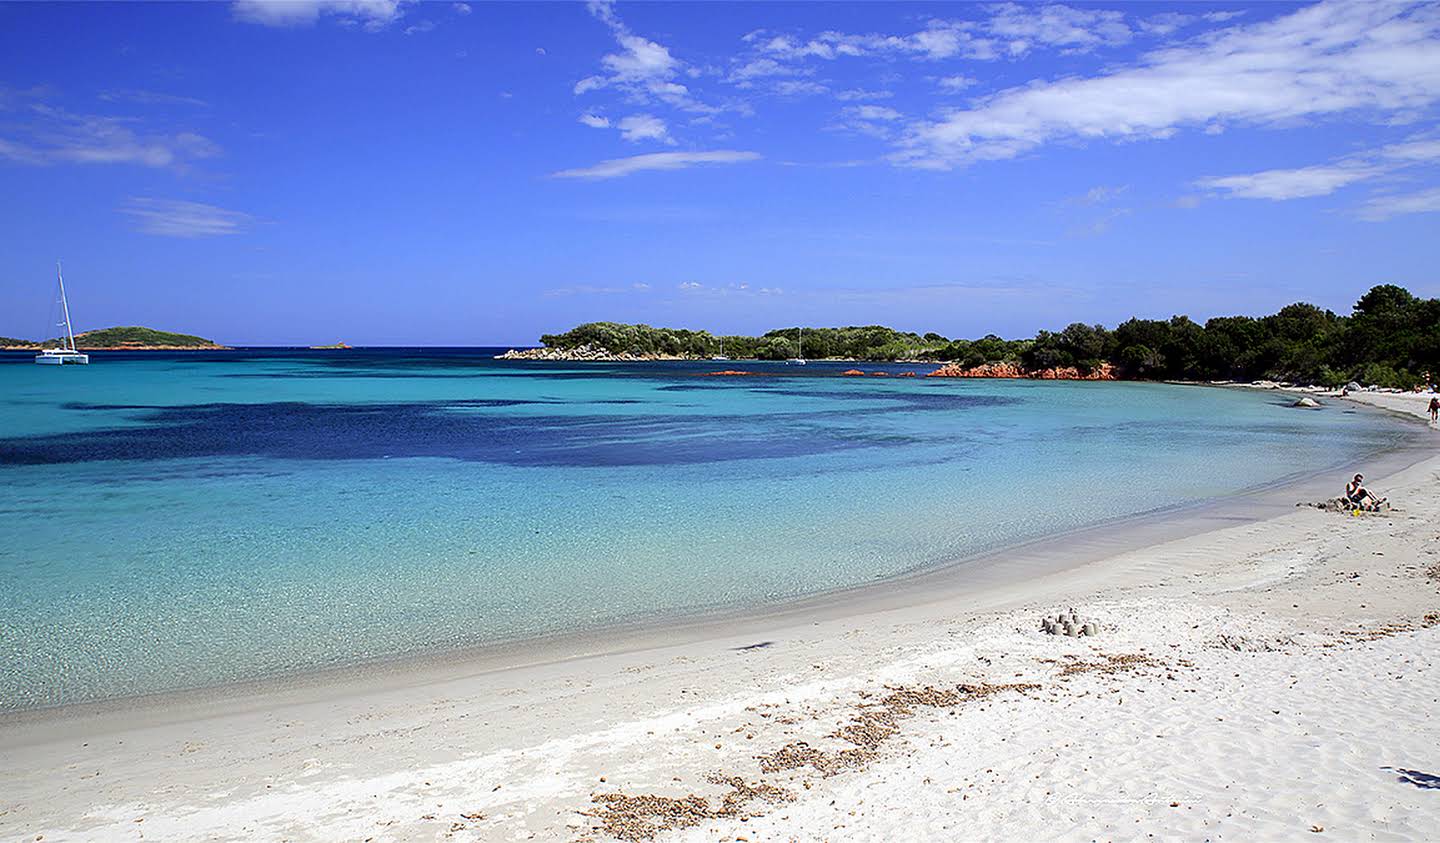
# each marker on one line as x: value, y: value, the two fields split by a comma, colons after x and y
x: 583, y: 354
x: 1103, y: 372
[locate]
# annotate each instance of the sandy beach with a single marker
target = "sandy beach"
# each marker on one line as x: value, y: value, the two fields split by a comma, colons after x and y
x: 1261, y: 678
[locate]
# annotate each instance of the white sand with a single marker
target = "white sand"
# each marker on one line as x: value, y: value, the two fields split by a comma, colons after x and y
x: 1307, y: 725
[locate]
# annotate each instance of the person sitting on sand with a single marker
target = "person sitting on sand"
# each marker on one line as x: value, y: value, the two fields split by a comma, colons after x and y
x: 1359, y: 496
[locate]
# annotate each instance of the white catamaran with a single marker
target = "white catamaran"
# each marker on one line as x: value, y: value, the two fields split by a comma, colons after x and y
x: 66, y: 353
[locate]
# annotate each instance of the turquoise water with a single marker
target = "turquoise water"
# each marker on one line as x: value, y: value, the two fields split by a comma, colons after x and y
x: 175, y: 521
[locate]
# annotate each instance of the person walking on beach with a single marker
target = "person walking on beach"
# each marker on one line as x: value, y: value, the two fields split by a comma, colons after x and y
x: 1434, y: 410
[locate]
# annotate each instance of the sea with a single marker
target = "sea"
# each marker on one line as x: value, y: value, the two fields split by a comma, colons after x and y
x: 174, y: 521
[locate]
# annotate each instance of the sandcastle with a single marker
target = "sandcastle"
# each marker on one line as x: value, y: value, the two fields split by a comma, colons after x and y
x: 1069, y: 623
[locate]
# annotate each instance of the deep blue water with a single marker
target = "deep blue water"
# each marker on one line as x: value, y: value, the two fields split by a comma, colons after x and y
x: 182, y: 520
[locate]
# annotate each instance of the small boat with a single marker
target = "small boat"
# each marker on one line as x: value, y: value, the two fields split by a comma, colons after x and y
x: 66, y: 354
x: 799, y: 358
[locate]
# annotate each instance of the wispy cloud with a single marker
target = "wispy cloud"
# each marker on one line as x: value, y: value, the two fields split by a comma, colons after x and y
x: 597, y: 290
x: 1379, y: 208
x: 1322, y: 60
x: 634, y: 129
x: 178, y: 218
x: 1325, y: 179
x: 1297, y: 183
x: 642, y: 69
x: 370, y: 15
x: 53, y: 135
x: 140, y: 97
x: 642, y: 127
x: 619, y: 167
x: 952, y: 84
x: 1100, y: 195
x: 1005, y: 30
x: 861, y: 94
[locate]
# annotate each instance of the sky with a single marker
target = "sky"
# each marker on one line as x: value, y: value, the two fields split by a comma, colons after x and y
x: 384, y: 172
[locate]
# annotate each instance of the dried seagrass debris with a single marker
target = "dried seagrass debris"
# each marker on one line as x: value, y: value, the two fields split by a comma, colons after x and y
x: 640, y: 817
x: 1108, y: 664
x: 874, y: 724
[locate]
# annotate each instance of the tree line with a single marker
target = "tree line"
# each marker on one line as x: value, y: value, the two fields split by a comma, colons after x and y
x: 1391, y: 338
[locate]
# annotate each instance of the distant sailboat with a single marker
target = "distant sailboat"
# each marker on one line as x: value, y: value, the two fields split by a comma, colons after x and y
x: 799, y: 358
x: 66, y: 353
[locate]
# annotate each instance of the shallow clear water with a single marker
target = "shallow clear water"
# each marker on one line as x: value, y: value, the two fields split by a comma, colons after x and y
x: 174, y: 521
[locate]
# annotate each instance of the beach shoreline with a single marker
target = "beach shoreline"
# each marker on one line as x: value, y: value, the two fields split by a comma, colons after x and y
x: 156, y: 760
x: 1000, y: 568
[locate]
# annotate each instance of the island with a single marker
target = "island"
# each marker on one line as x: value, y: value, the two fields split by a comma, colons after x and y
x: 124, y: 338
x: 330, y: 347
x: 1391, y: 339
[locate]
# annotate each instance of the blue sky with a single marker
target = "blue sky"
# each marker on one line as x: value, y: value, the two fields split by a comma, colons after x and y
x: 452, y: 173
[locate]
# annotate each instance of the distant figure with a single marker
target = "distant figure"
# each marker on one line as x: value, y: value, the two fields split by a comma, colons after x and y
x: 1435, y: 409
x: 1359, y: 496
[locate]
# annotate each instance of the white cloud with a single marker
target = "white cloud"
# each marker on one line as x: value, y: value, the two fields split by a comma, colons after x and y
x: 1380, y: 208
x: 461, y: 8
x: 1324, y: 179
x: 1319, y: 61
x: 420, y: 27
x: 798, y: 88
x: 177, y: 218
x: 1022, y: 28
x: 854, y: 94
x: 1100, y: 195
x: 619, y: 167
x: 595, y: 121
x: 643, y: 69
x: 951, y: 84
x: 690, y: 285
x: 762, y: 67
x: 372, y: 15
x: 1006, y: 30
x: 1413, y: 150
x: 640, y: 127
x: 54, y: 135
x: 1280, y: 185
x: 1165, y: 23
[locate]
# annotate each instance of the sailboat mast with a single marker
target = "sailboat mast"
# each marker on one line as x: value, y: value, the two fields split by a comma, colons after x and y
x: 800, y: 343
x: 65, y: 306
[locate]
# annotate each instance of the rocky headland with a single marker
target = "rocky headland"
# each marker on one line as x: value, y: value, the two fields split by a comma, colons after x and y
x: 1103, y: 372
x: 585, y: 354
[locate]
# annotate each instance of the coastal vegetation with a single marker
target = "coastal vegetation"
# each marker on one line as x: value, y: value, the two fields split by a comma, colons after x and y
x: 129, y: 336
x: 1391, y: 338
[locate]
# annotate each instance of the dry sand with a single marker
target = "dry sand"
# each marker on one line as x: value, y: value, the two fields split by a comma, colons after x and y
x: 1271, y: 679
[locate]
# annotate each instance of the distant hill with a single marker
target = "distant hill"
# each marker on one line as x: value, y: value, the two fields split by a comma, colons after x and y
x: 138, y: 337
x: 120, y: 338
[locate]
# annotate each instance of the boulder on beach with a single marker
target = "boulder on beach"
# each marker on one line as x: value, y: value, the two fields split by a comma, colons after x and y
x: 1307, y: 401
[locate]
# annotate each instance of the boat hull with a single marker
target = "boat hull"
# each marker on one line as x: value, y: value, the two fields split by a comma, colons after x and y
x: 62, y: 359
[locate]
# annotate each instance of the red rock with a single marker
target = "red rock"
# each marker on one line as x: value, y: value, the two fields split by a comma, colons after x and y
x: 852, y: 372
x: 1103, y: 372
